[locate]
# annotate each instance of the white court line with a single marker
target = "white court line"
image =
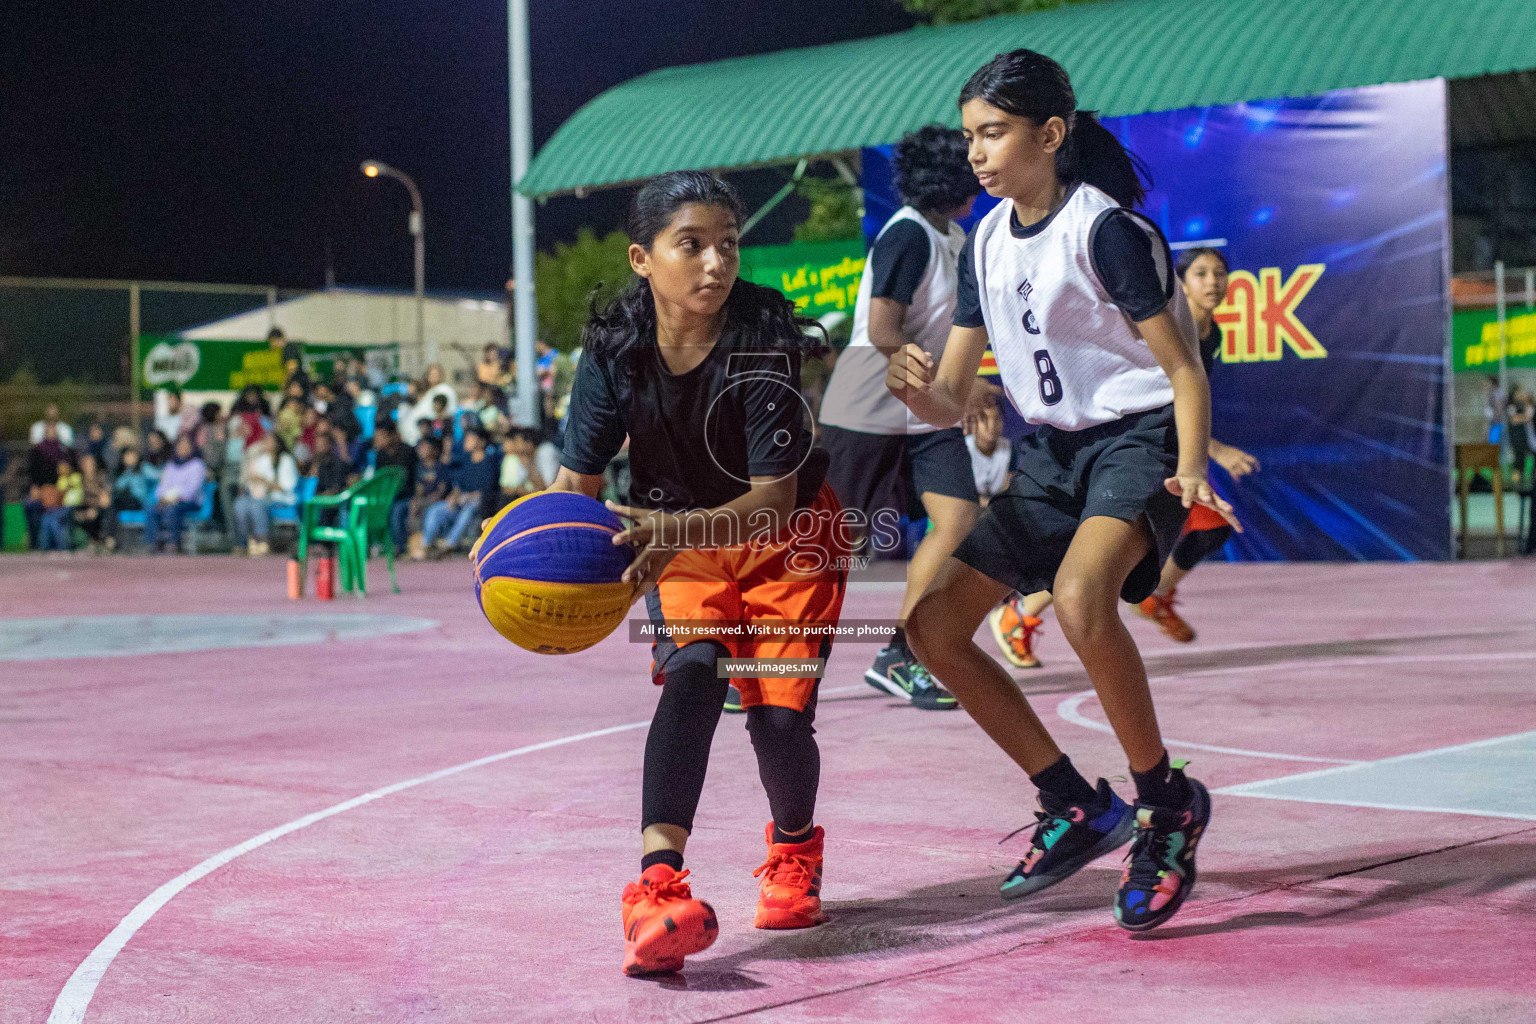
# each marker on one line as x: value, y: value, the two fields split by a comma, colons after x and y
x: 1251, y: 788
x: 1358, y: 765
x: 1474, y: 812
x: 75, y: 997
x: 1068, y: 711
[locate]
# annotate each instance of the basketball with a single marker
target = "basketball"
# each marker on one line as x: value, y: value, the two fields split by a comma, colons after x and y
x: 547, y: 572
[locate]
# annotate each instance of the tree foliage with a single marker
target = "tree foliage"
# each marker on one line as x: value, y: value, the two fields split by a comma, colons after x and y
x: 567, y: 278
x: 951, y: 12
x: 835, y: 211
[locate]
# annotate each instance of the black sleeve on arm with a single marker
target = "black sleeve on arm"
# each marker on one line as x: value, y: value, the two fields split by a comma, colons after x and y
x: 967, y: 301
x: 774, y: 416
x: 1133, y: 262
x: 898, y: 261
x: 595, y: 427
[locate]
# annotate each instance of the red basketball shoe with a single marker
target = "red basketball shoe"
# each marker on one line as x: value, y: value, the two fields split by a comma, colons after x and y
x: 663, y: 922
x: 790, y: 892
x: 1160, y: 610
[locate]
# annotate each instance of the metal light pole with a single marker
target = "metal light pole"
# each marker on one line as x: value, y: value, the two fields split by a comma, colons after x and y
x: 525, y: 308
x: 376, y: 169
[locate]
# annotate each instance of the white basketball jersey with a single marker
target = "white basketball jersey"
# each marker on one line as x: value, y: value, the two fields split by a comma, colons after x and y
x: 856, y: 396
x: 1067, y: 355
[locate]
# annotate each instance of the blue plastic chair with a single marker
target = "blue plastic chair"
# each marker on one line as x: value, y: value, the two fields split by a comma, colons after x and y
x: 288, y: 512
x: 202, y: 517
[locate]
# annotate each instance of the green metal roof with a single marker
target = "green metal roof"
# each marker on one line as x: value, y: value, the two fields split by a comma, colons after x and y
x: 1125, y: 57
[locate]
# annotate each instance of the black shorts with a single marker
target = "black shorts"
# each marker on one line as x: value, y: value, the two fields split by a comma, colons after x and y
x: 874, y: 471
x: 1064, y: 477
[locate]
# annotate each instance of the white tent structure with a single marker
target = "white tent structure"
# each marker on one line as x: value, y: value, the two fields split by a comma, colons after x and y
x: 460, y: 326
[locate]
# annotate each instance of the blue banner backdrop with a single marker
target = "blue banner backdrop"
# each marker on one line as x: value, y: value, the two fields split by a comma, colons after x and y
x: 1332, y: 211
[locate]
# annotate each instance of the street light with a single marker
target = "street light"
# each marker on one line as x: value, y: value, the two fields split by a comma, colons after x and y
x: 375, y: 169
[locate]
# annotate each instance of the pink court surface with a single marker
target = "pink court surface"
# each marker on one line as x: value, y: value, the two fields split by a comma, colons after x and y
x: 220, y: 806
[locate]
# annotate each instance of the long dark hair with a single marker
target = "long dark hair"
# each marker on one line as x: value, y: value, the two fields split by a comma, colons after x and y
x: 1029, y: 84
x: 758, y: 317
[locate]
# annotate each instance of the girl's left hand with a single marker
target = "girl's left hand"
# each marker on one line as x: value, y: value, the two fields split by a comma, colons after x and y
x: 1197, y: 490
x: 652, y: 535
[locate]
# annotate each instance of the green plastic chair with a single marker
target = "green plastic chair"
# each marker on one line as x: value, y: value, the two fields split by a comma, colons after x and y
x: 364, y: 521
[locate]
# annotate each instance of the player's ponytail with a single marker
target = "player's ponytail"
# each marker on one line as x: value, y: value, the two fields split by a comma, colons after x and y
x: 1029, y: 84
x: 1093, y: 154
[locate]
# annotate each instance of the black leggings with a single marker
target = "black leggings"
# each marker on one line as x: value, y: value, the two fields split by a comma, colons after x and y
x: 677, y: 747
x: 1195, y: 546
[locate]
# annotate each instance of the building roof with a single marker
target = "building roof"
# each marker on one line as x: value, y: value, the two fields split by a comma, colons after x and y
x: 1125, y: 57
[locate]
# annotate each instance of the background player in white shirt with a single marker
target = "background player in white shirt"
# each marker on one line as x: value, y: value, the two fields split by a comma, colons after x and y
x: 1093, y: 341
x: 882, y: 456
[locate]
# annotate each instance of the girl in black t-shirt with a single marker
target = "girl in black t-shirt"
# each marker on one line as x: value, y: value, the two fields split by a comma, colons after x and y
x: 702, y: 372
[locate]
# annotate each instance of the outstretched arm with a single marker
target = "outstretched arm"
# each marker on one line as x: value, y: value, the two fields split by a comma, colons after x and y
x: 1191, y: 412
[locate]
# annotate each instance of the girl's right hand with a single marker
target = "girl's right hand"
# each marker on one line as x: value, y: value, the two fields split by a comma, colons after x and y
x: 911, y: 370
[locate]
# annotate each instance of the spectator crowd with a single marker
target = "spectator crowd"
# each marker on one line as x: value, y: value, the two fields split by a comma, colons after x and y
x: 239, y: 469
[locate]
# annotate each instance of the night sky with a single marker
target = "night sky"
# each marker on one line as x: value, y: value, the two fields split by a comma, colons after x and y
x: 220, y: 142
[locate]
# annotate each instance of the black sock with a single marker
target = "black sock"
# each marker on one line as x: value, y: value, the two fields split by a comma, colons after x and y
x: 671, y: 858
x: 899, y: 639
x: 1160, y: 787
x: 780, y: 836
x: 1062, y: 785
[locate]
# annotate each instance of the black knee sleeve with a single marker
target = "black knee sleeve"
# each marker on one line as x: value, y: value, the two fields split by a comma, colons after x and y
x: 1194, y: 547
x: 677, y: 746
x: 788, y: 762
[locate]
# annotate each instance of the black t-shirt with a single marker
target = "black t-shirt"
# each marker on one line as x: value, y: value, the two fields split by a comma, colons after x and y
x: 481, y: 478
x: 695, y: 439
x: 433, y: 478
x: 331, y: 473
x: 1133, y: 263
x: 898, y: 261
x: 404, y: 456
x: 1209, y: 346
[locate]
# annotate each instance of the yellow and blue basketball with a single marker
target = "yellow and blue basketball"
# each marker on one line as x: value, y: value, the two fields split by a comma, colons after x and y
x: 547, y: 572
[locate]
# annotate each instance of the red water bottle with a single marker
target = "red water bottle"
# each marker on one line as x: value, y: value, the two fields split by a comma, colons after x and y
x: 325, y: 579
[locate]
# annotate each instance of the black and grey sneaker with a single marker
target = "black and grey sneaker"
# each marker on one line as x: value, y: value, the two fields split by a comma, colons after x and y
x: 1161, y: 864
x: 733, y: 702
x: 898, y: 673
x: 1067, y: 839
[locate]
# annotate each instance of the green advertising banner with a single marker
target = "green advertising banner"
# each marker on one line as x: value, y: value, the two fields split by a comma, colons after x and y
x: 231, y: 365
x: 819, y: 277
x: 1475, y: 339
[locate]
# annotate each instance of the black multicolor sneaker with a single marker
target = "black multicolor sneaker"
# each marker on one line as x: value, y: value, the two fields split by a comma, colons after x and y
x: 898, y: 673
x: 1161, y: 865
x: 733, y: 702
x: 1069, y: 838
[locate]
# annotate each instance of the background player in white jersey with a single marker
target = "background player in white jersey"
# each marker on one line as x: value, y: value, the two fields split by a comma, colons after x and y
x: 1093, y: 342
x: 1203, y: 273
x: 883, y: 457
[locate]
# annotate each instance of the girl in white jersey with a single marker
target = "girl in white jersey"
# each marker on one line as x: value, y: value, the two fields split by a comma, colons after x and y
x: 1094, y: 343
x: 884, y: 460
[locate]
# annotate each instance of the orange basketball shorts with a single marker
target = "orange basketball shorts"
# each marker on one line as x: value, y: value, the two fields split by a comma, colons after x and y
x: 777, y: 597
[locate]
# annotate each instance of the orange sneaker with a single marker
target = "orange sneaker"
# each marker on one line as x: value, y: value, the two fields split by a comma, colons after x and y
x: 663, y: 922
x: 1015, y: 633
x: 790, y: 893
x: 1160, y: 610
